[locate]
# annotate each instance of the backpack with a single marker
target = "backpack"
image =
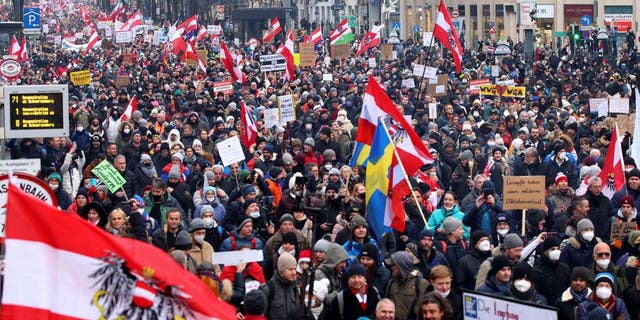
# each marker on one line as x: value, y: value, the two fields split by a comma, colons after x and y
x: 444, y: 246
x: 416, y: 285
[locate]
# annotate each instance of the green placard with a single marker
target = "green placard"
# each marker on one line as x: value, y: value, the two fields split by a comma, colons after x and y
x: 109, y: 175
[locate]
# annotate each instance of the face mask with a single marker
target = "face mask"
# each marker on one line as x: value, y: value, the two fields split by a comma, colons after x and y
x: 80, y: 129
x: 443, y: 294
x: 211, y: 199
x: 53, y: 186
x: 484, y: 245
x: 298, y: 193
x: 126, y: 131
x: 335, y: 196
x: 603, y: 293
x: 328, y: 167
x: 208, y: 221
x: 199, y: 238
x: 491, y: 143
x: 522, y: 285
x: 362, y: 195
x: 308, y: 126
x: 587, y: 235
x: 562, y: 155
x: 502, y: 232
x: 554, y: 255
x: 569, y: 231
x: 603, y: 263
x: 148, y: 165
x: 254, y: 214
x: 157, y: 198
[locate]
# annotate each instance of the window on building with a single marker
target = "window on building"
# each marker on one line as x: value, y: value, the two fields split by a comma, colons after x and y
x: 462, y: 10
x: 473, y: 15
x: 486, y: 18
x: 500, y: 20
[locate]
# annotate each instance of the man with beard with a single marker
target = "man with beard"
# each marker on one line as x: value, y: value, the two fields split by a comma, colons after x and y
x: 134, y: 149
x: 428, y: 255
x: 377, y: 275
x: 332, y: 207
x: 179, y: 190
x: 158, y: 202
x: 530, y: 165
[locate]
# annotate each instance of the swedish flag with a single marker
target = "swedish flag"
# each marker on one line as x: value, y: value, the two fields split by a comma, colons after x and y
x: 377, y: 177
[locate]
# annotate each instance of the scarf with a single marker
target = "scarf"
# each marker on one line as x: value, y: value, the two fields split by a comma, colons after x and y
x: 149, y: 171
x: 609, y: 304
x: 362, y: 298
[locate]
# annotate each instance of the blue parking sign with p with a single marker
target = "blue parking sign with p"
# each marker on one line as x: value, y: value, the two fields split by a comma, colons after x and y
x: 31, y: 19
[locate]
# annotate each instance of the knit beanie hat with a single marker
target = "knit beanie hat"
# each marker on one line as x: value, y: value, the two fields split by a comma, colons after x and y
x: 603, y: 277
x: 476, y: 236
x: 241, y: 225
x: 174, y: 172
x: 178, y: 155
x: 287, y: 217
x: 511, y: 241
x: 321, y: 245
x: 255, y: 303
x: 561, y: 177
x: 550, y: 242
x: 498, y: 263
x: 628, y: 199
x: 206, y: 208
x: 355, y: 269
x: 522, y: 270
x: 426, y: 233
x: 247, y: 203
x: 451, y: 224
x: 581, y: 273
x: 599, y: 313
x: 286, y: 261
x: 183, y: 241
x: 584, y: 224
x: 369, y: 250
x: 357, y: 221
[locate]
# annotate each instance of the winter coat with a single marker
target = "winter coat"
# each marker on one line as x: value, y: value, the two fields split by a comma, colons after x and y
x: 600, y: 211
x: 476, y: 219
x: 351, y: 309
x: 578, y: 253
x: 327, y: 270
x: 404, y: 294
x: 274, y: 243
x: 571, y: 309
x: 551, y: 277
x: 203, y: 253
x: 491, y: 286
x: 141, y: 180
x: 453, y: 252
x: 437, y: 216
x: 435, y: 259
x: 168, y: 203
x: 71, y: 174
x: 252, y: 242
x: 467, y: 268
x: 284, y: 301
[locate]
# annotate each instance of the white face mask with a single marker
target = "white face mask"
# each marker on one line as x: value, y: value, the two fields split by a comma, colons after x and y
x: 254, y: 214
x: 211, y: 199
x: 308, y: 126
x: 484, y: 245
x: 328, y: 167
x: 603, y: 293
x: 80, y: 129
x: 443, y: 294
x: 126, y: 130
x: 208, y: 221
x: 522, y: 285
x: 587, y: 236
x: 502, y: 232
x: 562, y: 156
x: 554, y: 255
x: 603, y: 263
x: 53, y: 186
x: 198, y: 238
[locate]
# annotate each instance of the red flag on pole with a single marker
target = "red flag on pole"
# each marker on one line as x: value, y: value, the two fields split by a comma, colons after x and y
x: 447, y: 35
x: 250, y: 130
x: 612, y: 173
x: 274, y: 29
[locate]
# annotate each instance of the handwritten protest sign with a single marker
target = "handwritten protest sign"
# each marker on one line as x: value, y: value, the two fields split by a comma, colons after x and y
x: 524, y: 192
x: 230, y: 151
x: 619, y: 230
x: 80, y: 78
x: 307, y: 54
x: 339, y: 51
x: 387, y: 51
x: 287, y: 111
x: 109, y: 175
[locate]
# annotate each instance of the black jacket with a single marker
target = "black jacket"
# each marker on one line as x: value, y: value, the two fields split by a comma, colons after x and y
x: 600, y: 212
x: 551, y: 278
x: 283, y: 298
x: 467, y: 268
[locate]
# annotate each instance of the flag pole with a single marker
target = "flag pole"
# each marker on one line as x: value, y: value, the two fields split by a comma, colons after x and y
x: 425, y: 66
x: 404, y: 172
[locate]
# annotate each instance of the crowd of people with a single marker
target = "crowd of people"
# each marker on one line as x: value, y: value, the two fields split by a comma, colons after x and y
x: 297, y: 199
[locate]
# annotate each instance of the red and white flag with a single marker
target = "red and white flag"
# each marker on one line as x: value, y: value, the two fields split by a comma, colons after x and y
x: 131, y: 108
x: 176, y: 43
x: 93, y: 39
x: 612, y: 173
x: 192, y: 54
x: 274, y: 29
x: 287, y: 52
x: 250, y: 130
x: 316, y: 36
x: 24, y: 52
x: 191, y: 24
x: 231, y: 64
x: 14, y: 48
x: 118, y: 10
x: 91, y: 274
x: 370, y: 40
x: 447, y: 35
x: 133, y: 21
x: 202, y: 33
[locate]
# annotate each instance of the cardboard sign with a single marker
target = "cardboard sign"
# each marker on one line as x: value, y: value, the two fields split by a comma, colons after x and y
x: 203, y: 55
x: 287, y: 111
x: 122, y: 81
x: 106, y: 44
x: 230, y: 151
x: 594, y: 103
x: 626, y: 123
x: 80, y: 78
x: 340, y: 51
x: 307, y: 55
x: 387, y: 51
x: 433, y: 110
x: 438, y: 88
x: 619, y: 105
x: 124, y: 36
x: 619, y: 230
x: 502, y: 90
x: 225, y: 87
x: 109, y: 176
x: 523, y: 192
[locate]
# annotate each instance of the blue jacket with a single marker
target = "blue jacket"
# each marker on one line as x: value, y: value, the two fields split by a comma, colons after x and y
x: 436, y: 218
x: 354, y: 248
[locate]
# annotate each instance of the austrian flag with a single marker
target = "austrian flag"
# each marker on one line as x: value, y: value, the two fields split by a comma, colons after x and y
x: 274, y: 29
x: 91, y: 274
x: 446, y: 33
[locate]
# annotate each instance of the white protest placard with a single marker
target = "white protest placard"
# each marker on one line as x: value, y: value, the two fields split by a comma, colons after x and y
x: 372, y: 63
x: 148, y: 38
x: 287, y: 112
x: 495, y: 71
x: 124, y: 36
x: 214, y: 29
x: 409, y: 83
x: 234, y: 258
x: 271, y: 117
x: 619, y: 105
x: 427, y: 39
x: 108, y: 33
x: 230, y: 151
x: 603, y: 109
x: 433, y: 111
x: 30, y: 166
x: 441, y: 88
x: 103, y: 24
x: 45, y: 28
x: 57, y: 40
x: 509, y: 82
x: 425, y: 71
x: 594, y: 103
x: 327, y: 77
x: 486, y: 307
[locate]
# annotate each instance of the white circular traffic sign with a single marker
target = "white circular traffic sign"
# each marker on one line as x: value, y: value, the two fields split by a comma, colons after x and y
x: 455, y: 13
x: 10, y: 68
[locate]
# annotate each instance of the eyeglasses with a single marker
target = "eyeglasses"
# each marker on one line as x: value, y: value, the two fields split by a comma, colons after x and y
x: 603, y: 254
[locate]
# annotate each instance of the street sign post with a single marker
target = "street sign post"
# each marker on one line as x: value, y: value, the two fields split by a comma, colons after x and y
x: 31, y: 21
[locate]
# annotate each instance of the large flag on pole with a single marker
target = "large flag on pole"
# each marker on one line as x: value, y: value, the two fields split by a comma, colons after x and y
x: 612, y: 173
x: 316, y: 36
x: 446, y: 33
x: 274, y: 29
x: 409, y: 146
x: 287, y: 52
x: 250, y: 128
x: 370, y: 40
x: 131, y: 108
x: 635, y: 146
x: 14, y: 47
x: 191, y: 24
x: 91, y: 274
x: 93, y: 39
x: 342, y: 33
x: 231, y: 64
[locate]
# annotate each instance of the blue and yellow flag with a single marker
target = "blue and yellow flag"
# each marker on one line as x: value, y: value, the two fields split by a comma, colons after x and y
x: 377, y: 177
